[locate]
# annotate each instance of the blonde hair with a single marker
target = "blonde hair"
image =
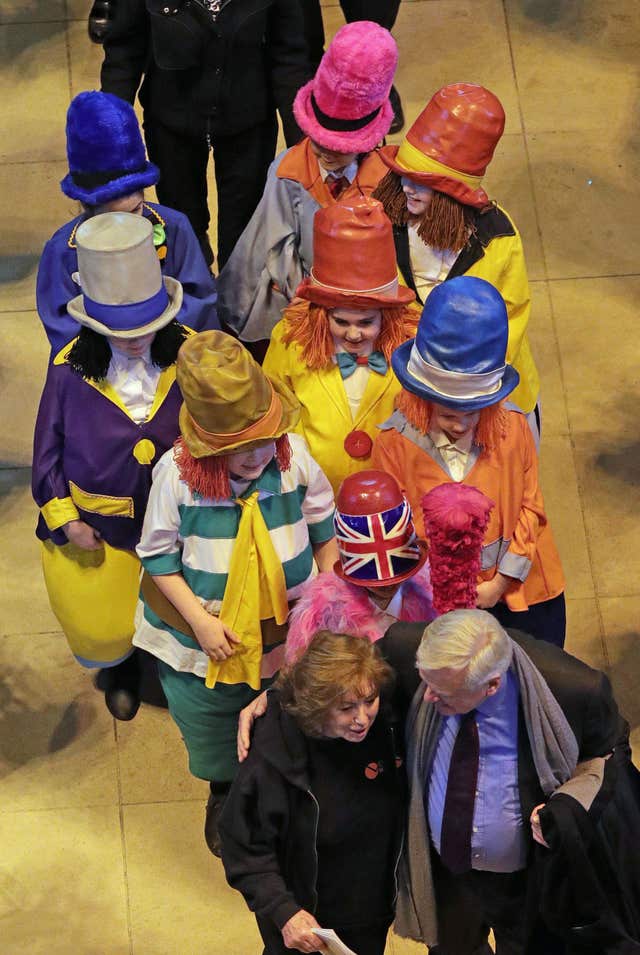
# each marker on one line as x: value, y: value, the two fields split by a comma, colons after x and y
x: 466, y: 638
x: 333, y: 665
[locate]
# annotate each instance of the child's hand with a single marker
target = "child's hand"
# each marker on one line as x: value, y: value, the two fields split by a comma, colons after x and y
x: 490, y: 591
x: 83, y: 535
x: 247, y: 718
x: 217, y: 641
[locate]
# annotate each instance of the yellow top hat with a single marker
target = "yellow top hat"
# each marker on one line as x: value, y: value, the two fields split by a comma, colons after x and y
x: 229, y: 402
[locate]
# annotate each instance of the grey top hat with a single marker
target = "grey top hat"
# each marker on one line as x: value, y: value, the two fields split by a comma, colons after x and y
x: 124, y: 293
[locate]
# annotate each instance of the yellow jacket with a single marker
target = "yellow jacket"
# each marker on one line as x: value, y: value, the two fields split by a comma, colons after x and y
x: 495, y: 254
x: 325, y: 418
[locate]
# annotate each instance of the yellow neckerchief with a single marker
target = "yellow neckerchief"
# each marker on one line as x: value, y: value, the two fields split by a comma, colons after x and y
x: 256, y: 590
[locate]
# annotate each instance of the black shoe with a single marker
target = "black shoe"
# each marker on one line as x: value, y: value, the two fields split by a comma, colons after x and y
x: 215, y: 804
x: 122, y: 695
x: 398, y: 115
x: 99, y: 20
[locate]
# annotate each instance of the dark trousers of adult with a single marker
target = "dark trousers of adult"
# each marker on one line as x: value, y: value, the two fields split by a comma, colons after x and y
x: 383, y: 12
x: 469, y: 905
x: 241, y: 162
x: 544, y: 621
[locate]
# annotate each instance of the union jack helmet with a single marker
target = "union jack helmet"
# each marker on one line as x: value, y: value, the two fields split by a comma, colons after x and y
x: 374, y: 530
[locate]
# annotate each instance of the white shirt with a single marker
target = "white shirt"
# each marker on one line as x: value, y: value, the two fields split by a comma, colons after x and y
x: 430, y: 266
x: 454, y: 454
x: 135, y: 381
x: 355, y: 386
x: 349, y: 172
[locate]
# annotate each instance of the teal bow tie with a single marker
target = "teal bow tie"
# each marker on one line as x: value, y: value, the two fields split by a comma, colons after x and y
x: 348, y: 364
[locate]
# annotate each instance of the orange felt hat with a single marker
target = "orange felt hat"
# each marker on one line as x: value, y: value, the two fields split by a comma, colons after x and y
x: 451, y: 143
x: 354, y: 258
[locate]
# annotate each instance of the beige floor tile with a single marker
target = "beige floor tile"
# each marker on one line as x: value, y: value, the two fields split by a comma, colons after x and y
x: 85, y: 57
x: 596, y: 322
x: 180, y: 902
x: 35, y: 99
x: 25, y: 607
x: 402, y: 946
x: 610, y: 492
x: 153, y: 760
x: 555, y: 44
x: 542, y: 337
x: 587, y: 200
x: 562, y: 503
x: 620, y: 616
x: 57, y: 745
x: 584, y: 633
x: 25, y: 349
x: 16, y: 11
x: 32, y: 207
x: 439, y: 58
x: 62, y: 883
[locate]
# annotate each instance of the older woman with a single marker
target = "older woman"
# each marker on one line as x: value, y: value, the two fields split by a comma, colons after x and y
x: 312, y: 826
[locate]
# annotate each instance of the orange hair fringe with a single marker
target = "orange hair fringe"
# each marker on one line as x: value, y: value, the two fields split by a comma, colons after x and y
x: 490, y: 430
x: 209, y: 476
x: 447, y: 223
x: 307, y: 325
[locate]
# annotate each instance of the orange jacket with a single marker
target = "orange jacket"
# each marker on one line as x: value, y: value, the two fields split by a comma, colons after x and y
x: 518, y: 541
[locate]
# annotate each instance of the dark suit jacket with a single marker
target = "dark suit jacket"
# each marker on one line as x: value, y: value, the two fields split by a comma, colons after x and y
x: 202, y: 76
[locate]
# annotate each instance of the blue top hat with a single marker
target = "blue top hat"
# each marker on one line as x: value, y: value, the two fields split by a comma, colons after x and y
x: 457, y: 358
x: 105, y: 150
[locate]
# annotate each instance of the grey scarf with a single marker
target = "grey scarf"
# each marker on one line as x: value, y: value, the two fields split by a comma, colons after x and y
x: 555, y: 755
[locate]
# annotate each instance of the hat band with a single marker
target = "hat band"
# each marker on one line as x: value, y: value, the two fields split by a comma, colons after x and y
x: 89, y: 180
x: 342, y: 125
x: 391, y: 286
x: 264, y: 427
x: 453, y: 384
x: 124, y: 318
x: 413, y: 160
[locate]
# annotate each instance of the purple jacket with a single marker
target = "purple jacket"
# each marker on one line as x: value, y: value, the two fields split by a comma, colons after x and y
x: 92, y: 461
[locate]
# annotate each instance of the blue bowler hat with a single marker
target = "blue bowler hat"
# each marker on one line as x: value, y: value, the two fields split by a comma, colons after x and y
x: 105, y: 150
x: 457, y: 358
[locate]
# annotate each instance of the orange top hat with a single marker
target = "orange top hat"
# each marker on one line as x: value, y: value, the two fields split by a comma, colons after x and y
x: 354, y: 258
x: 451, y: 143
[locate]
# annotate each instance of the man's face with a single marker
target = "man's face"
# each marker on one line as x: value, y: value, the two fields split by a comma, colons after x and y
x: 447, y: 690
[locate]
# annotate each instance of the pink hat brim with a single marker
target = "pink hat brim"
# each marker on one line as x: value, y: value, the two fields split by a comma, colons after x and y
x: 355, y: 141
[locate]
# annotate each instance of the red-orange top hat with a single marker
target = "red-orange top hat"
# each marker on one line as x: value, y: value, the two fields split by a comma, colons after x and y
x: 452, y: 142
x: 354, y: 258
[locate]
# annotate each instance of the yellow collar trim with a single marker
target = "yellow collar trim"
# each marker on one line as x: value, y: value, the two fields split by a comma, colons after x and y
x: 413, y: 160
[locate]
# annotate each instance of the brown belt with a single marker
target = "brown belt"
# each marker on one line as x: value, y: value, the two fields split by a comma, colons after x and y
x: 272, y: 632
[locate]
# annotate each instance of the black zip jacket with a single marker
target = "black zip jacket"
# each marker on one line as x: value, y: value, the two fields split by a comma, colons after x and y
x: 269, y: 823
x: 203, y: 76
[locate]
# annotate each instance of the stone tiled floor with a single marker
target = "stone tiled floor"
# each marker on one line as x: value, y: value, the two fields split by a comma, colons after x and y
x: 100, y: 823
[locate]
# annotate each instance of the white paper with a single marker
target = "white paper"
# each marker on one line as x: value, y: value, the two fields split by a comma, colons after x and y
x: 335, y: 946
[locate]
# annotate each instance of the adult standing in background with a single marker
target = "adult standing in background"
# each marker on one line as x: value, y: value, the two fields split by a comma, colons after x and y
x: 382, y: 12
x: 213, y: 74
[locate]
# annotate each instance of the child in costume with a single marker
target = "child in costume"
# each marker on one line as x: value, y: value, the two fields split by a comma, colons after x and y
x: 450, y: 424
x: 382, y: 575
x: 237, y: 514
x: 445, y: 225
x: 345, y: 113
x: 108, y: 411
x: 333, y: 348
x: 108, y: 172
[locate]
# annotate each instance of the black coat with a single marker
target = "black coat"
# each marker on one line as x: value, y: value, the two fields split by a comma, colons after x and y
x: 202, y: 76
x: 269, y: 822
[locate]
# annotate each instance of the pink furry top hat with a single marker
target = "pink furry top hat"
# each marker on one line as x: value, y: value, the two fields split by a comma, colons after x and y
x: 345, y: 107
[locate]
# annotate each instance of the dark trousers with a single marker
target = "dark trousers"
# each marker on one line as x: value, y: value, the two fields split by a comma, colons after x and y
x: 469, y: 905
x: 241, y: 164
x: 544, y: 621
x: 383, y: 12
